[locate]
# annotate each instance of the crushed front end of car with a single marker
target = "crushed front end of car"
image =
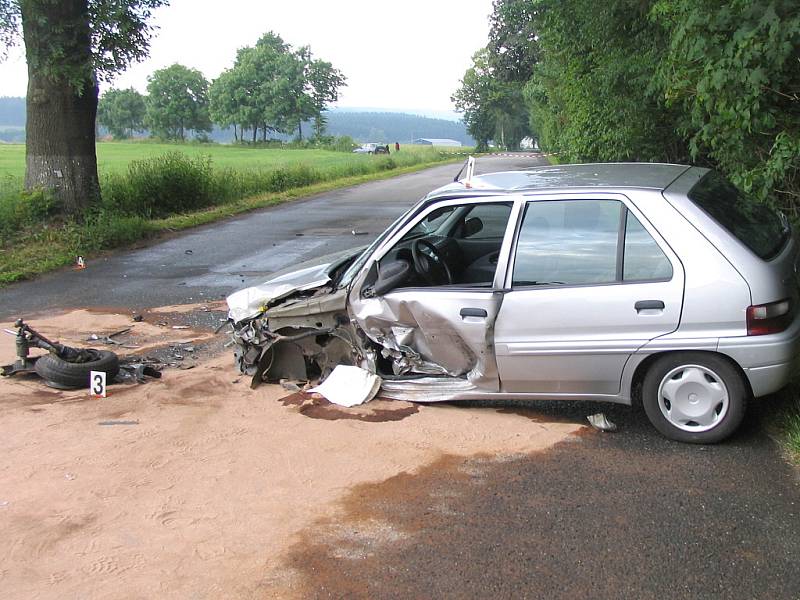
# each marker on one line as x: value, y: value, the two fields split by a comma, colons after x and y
x: 294, y: 326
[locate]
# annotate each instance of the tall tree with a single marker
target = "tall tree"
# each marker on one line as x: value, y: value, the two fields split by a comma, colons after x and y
x: 591, y: 94
x: 121, y: 112
x: 493, y: 108
x: 272, y: 87
x: 69, y: 45
x: 323, y: 83
x: 177, y: 102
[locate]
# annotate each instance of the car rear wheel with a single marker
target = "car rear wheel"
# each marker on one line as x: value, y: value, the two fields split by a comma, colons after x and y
x: 694, y: 397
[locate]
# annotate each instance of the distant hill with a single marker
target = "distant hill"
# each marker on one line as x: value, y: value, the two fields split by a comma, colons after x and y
x: 12, y: 119
x: 385, y: 127
x: 12, y: 112
x: 394, y: 127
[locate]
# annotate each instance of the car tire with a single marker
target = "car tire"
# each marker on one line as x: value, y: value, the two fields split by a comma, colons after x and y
x: 65, y: 375
x: 694, y: 397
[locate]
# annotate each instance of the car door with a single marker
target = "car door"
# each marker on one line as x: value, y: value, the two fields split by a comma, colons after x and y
x: 438, y: 329
x: 590, y: 282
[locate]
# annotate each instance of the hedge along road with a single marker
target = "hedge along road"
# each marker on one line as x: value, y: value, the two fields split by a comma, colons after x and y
x: 210, y: 262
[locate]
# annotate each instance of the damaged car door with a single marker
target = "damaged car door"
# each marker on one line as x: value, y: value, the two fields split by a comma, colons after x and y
x: 428, y: 298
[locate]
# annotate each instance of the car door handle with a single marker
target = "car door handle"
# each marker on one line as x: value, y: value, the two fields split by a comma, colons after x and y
x: 649, y: 305
x: 473, y: 312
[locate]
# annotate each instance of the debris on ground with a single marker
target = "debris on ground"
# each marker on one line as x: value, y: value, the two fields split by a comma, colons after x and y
x: 290, y: 386
x: 135, y: 369
x: 117, y: 422
x: 349, y: 386
x: 64, y: 367
x: 600, y: 422
x: 109, y: 339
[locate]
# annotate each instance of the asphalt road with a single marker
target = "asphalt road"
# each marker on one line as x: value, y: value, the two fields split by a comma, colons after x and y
x: 210, y: 262
x: 624, y: 515
x: 608, y: 515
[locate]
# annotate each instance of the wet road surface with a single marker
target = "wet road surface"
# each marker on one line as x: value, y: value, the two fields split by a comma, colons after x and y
x: 210, y: 262
x: 625, y: 515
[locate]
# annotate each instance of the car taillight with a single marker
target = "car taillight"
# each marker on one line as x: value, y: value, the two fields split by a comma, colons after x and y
x: 764, y: 319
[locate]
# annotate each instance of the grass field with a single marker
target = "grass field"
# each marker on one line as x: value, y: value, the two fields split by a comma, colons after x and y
x: 149, y: 188
x: 114, y: 157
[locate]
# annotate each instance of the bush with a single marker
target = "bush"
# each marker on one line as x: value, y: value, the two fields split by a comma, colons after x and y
x: 343, y: 143
x: 22, y: 209
x: 162, y: 186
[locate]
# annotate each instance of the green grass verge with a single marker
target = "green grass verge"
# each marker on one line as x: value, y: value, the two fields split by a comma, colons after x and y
x: 46, y: 247
x: 782, y: 419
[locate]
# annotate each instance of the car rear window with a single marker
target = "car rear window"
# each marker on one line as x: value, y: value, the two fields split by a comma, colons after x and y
x: 757, y: 226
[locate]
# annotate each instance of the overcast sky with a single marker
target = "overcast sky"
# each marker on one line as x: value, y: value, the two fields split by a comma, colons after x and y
x: 408, y: 54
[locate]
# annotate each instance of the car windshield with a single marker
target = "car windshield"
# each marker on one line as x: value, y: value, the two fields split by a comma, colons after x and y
x: 430, y: 223
x: 355, y: 267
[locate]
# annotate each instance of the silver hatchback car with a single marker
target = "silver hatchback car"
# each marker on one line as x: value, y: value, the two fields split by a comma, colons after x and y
x: 656, y: 283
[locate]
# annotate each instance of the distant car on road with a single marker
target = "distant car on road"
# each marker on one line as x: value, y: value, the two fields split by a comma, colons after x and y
x: 625, y: 283
x: 372, y: 148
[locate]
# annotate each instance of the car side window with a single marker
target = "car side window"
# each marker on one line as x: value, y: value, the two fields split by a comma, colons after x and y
x: 570, y: 242
x: 643, y: 259
x: 493, y: 217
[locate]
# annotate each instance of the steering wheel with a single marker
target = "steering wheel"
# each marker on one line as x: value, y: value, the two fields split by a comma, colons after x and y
x: 430, y: 265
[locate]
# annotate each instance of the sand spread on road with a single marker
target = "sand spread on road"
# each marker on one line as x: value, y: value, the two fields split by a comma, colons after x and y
x: 210, y: 483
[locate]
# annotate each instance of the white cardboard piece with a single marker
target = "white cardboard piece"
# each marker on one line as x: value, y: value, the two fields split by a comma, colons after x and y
x: 349, y: 386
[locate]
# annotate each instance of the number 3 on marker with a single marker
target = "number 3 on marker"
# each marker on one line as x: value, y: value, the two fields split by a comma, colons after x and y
x: 97, y: 384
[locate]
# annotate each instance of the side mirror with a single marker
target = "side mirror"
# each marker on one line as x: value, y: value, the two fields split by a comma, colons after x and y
x: 390, y: 276
x: 472, y: 226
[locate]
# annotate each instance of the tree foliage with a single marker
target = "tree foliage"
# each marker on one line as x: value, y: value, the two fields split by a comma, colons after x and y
x: 322, y: 85
x: 716, y: 82
x: 493, y: 107
x: 733, y: 70
x: 177, y: 102
x: 122, y: 112
x: 69, y: 46
x: 590, y: 95
x: 120, y: 36
x: 272, y: 87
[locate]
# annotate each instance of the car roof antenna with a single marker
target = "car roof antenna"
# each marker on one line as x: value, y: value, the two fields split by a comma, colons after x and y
x: 461, y: 170
x: 469, y: 165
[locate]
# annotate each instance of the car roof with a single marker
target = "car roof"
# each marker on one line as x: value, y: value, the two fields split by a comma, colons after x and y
x: 655, y: 176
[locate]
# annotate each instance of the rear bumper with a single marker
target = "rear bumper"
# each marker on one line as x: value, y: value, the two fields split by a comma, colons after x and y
x: 768, y: 361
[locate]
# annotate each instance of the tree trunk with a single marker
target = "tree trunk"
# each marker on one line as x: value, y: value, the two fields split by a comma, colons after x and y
x: 255, y: 133
x: 300, y: 130
x: 61, y: 102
